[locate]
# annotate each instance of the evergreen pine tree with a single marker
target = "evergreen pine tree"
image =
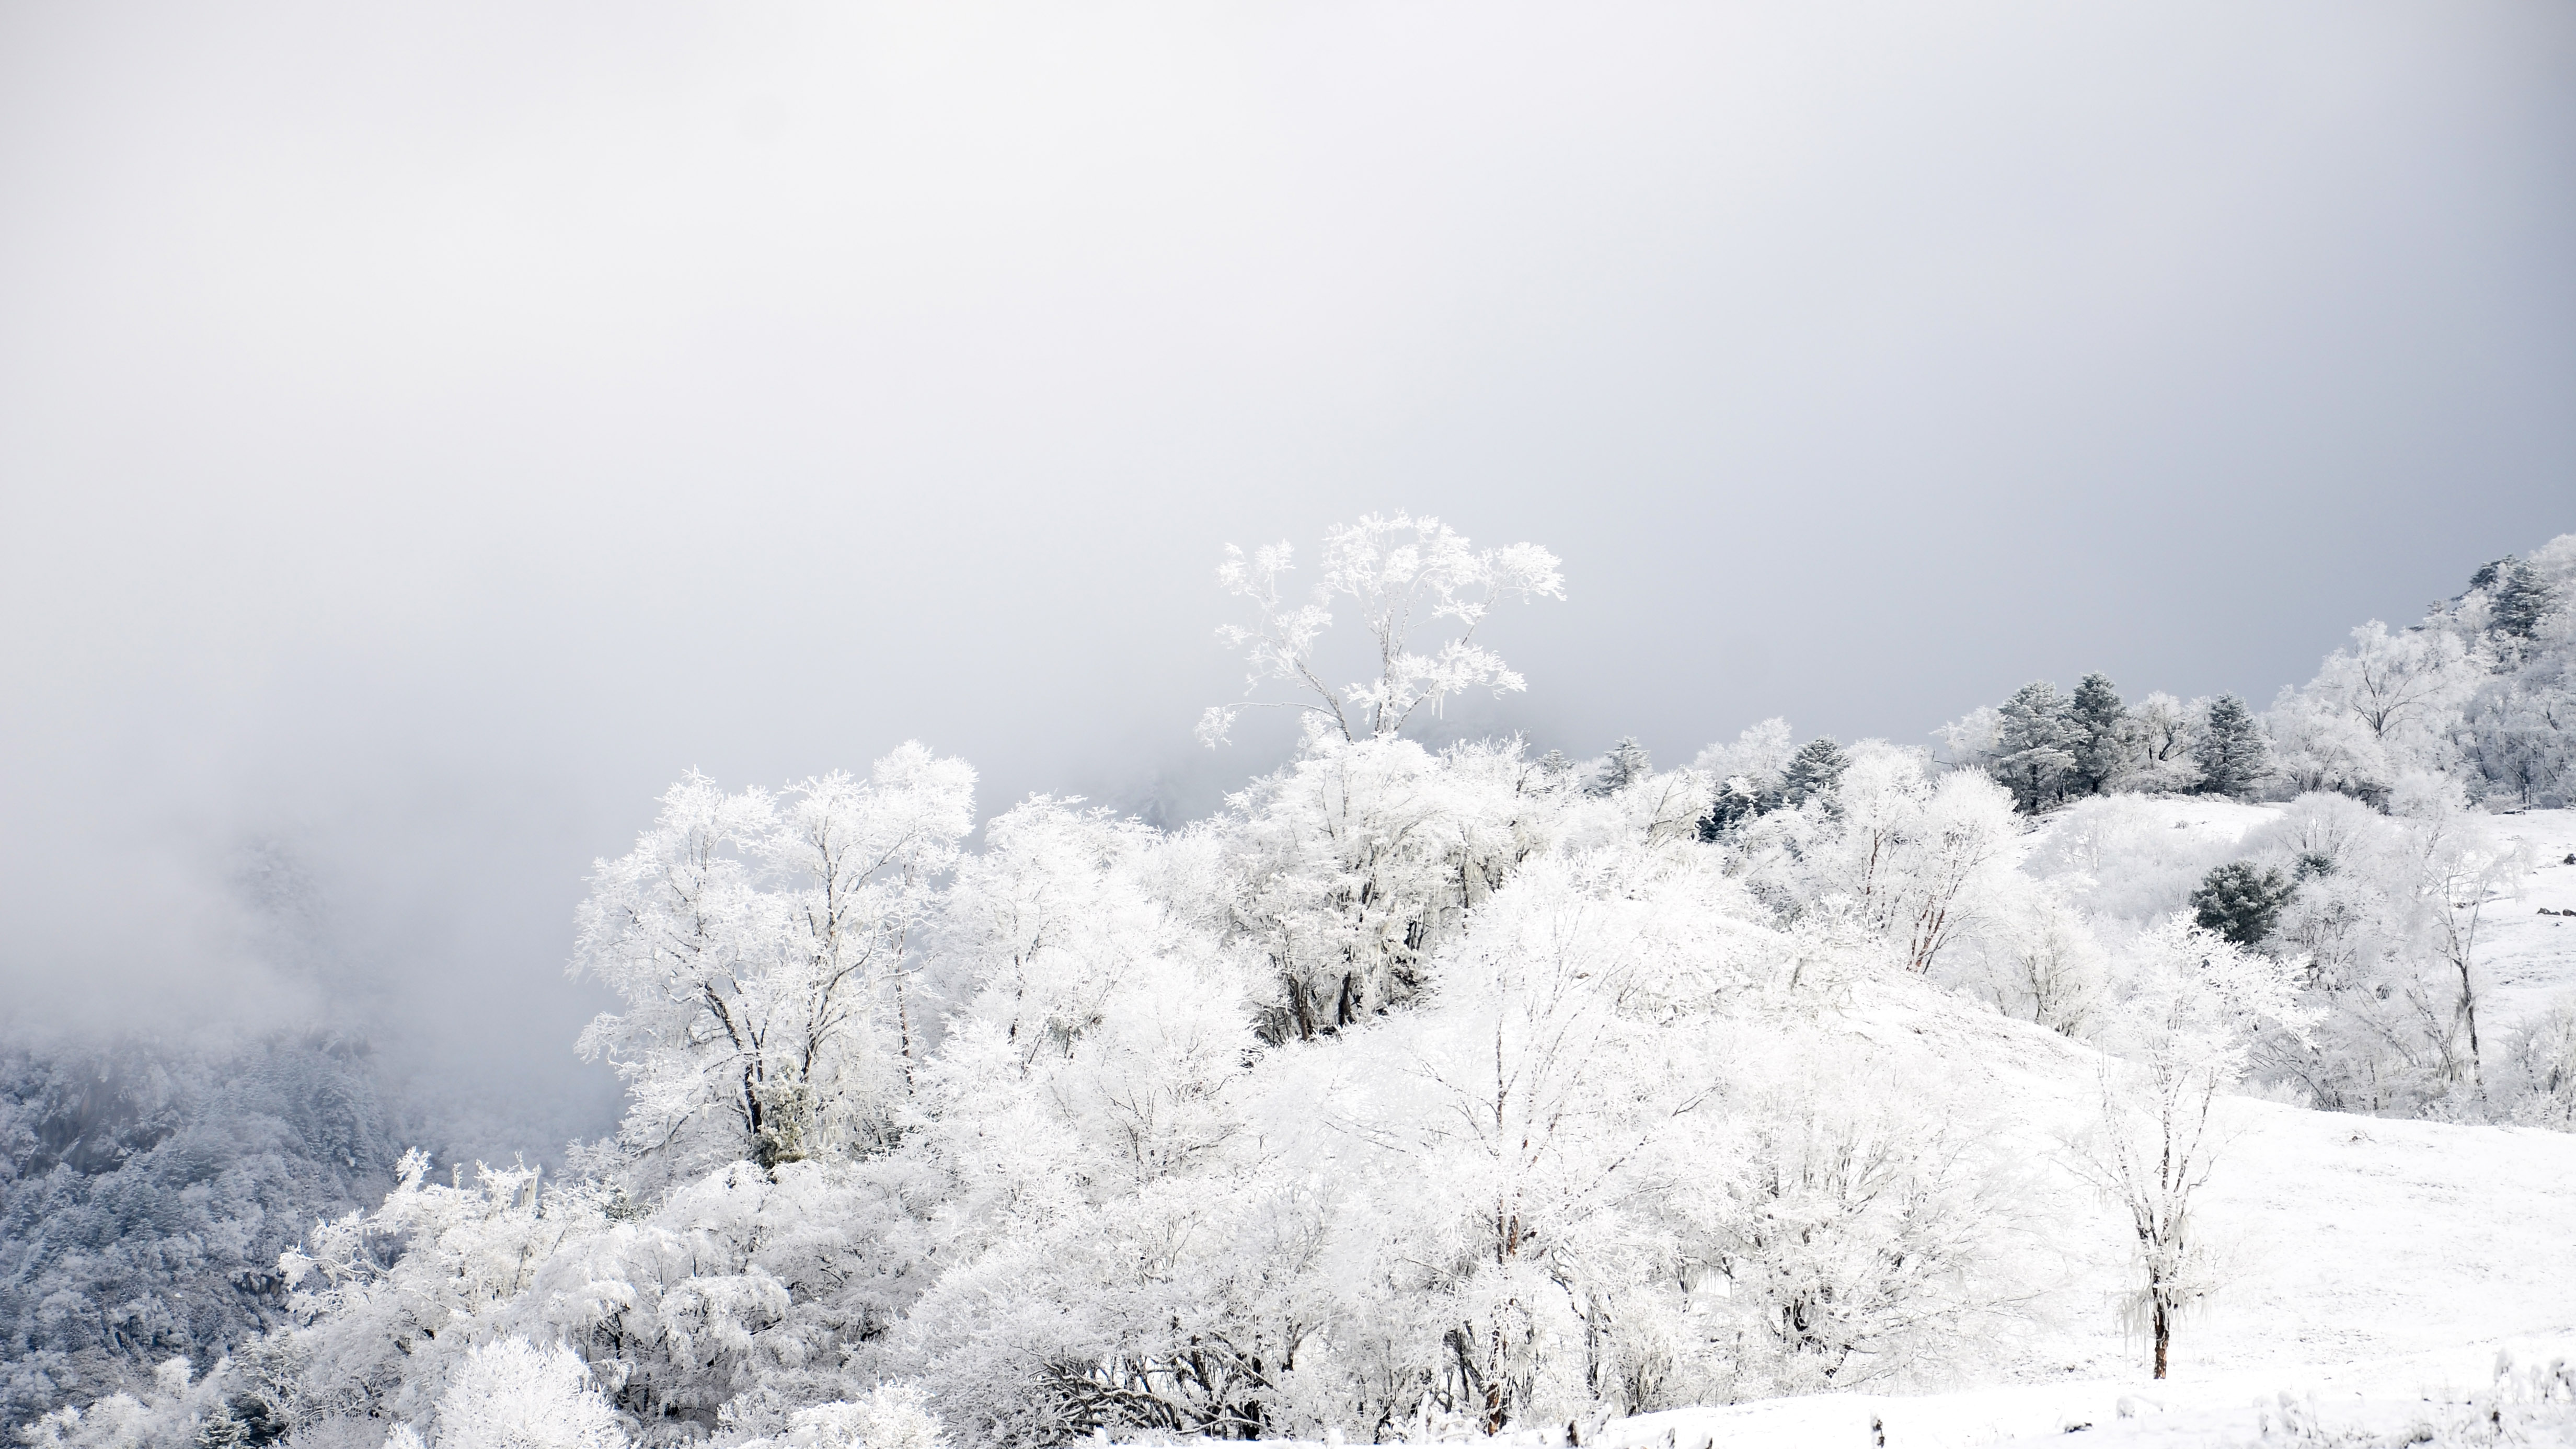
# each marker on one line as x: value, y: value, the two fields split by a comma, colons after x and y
x: 2033, y: 754
x: 1626, y: 765
x: 2230, y: 752
x: 2099, y: 726
x: 1813, y: 772
x: 1736, y: 802
x: 2518, y: 599
x: 2241, y: 903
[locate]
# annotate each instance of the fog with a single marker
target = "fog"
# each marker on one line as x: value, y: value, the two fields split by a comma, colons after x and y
x: 425, y: 433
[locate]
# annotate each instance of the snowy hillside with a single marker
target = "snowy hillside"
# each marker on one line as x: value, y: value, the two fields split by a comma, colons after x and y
x: 2524, y: 949
x: 2374, y: 1267
x: 2105, y: 1078
x: 2530, y: 955
x: 2379, y: 1269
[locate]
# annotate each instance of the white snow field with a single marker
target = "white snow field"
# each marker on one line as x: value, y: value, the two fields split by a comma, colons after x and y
x: 2377, y: 1265
x: 2530, y: 957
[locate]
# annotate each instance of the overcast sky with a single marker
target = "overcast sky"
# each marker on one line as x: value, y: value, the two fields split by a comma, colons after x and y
x: 425, y: 431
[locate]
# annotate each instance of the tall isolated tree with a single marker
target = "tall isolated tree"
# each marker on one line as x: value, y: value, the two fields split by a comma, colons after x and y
x: 2183, y: 1027
x: 1402, y: 575
x: 761, y: 945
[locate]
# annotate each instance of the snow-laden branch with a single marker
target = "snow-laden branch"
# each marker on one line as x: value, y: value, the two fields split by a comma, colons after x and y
x: 1418, y: 588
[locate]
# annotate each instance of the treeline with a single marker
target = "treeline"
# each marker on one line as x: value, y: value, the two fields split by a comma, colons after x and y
x: 2481, y: 692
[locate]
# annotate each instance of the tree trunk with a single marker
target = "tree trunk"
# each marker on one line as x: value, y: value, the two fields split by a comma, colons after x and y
x: 2164, y: 1336
x: 2469, y: 1010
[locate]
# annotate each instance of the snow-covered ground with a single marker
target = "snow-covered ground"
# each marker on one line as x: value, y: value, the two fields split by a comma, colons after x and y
x: 2527, y: 942
x: 2530, y: 958
x: 2379, y: 1266
x: 2379, y: 1269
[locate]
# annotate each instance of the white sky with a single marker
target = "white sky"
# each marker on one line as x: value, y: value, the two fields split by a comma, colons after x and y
x: 426, y: 430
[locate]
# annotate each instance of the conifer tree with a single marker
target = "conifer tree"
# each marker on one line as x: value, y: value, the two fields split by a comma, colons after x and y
x: 2033, y: 746
x: 2518, y: 599
x: 2230, y: 752
x: 1626, y: 765
x: 2240, y: 902
x: 1813, y: 772
x: 1736, y: 802
x: 2099, y: 726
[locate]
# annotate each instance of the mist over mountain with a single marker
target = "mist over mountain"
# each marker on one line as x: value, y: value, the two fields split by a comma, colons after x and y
x: 455, y: 465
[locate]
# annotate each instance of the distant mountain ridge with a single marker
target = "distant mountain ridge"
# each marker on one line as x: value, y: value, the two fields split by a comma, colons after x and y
x: 146, y: 1192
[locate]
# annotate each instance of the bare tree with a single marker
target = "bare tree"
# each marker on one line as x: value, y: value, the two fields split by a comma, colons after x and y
x: 2460, y: 868
x: 2184, y: 1028
x: 2154, y: 1152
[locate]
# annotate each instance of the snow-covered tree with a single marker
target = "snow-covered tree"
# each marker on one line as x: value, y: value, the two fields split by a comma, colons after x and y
x: 2161, y: 729
x: 2229, y: 747
x: 2182, y: 1026
x: 762, y: 947
x: 1625, y: 765
x: 2241, y: 902
x: 2035, y: 746
x: 511, y: 1394
x: 2101, y: 736
x: 2386, y: 706
x: 2042, y: 961
x: 1402, y: 575
x: 2459, y: 868
x: 1352, y: 864
x: 1916, y: 856
x: 1814, y: 772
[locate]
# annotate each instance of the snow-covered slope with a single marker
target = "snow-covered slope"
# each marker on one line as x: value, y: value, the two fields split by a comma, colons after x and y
x: 2348, y: 1238
x: 2530, y: 957
x: 2377, y: 1268
x: 2527, y: 939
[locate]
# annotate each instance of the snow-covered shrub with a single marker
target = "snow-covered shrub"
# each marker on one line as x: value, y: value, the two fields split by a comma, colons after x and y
x: 891, y: 1416
x: 2540, y: 1085
x: 1863, y: 1236
x: 173, y: 1407
x: 511, y: 1394
x: 2120, y: 859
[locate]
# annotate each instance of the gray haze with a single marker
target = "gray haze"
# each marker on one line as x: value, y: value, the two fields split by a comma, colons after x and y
x: 425, y: 431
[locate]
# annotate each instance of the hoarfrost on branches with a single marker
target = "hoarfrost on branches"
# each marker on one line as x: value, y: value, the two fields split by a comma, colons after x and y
x: 1402, y: 575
